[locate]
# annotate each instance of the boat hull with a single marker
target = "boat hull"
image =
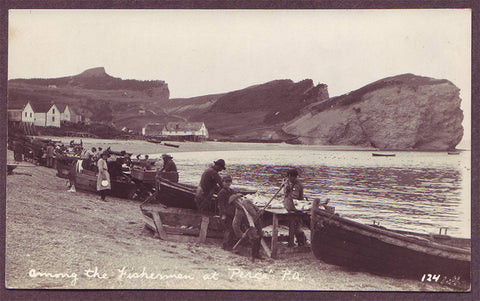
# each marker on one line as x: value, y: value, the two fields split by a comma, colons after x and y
x: 346, y: 243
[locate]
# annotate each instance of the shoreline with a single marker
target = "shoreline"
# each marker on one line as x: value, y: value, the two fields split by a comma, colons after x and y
x: 145, y: 147
x: 57, y: 239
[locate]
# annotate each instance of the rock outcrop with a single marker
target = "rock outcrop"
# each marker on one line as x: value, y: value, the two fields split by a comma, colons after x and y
x: 404, y: 112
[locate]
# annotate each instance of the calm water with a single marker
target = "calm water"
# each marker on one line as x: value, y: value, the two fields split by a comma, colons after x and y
x: 416, y: 191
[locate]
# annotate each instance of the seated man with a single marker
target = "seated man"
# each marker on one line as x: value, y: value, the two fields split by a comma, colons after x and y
x: 247, y: 222
x: 227, y: 212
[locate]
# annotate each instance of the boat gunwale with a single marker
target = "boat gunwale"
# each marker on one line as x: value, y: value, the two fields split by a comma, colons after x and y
x: 371, y: 231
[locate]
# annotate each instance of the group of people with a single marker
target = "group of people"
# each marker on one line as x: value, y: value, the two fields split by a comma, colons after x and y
x: 104, y: 172
x: 239, y: 216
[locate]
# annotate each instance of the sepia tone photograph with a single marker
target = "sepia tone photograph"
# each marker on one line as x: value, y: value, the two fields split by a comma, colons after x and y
x: 285, y: 150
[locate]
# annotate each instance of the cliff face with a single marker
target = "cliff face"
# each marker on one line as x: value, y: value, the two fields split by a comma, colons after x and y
x: 258, y: 112
x: 398, y: 113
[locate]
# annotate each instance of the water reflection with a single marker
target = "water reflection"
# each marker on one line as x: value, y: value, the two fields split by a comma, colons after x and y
x: 418, y: 193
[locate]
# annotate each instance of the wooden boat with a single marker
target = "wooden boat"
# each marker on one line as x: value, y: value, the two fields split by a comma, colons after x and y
x: 63, y: 165
x: 382, y: 155
x: 173, y: 194
x: 122, y: 186
x: 454, y: 153
x: 154, y: 140
x: 343, y: 242
x: 170, y: 223
x: 10, y: 168
x: 171, y: 145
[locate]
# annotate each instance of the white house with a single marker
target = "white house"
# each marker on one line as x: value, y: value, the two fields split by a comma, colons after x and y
x: 28, y: 115
x: 65, y: 113
x: 46, y: 114
x: 196, y: 130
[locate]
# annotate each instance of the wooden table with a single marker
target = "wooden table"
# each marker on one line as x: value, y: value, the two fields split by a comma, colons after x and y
x: 288, y: 218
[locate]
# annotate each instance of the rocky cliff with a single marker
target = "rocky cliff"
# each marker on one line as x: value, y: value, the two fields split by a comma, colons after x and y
x: 398, y: 113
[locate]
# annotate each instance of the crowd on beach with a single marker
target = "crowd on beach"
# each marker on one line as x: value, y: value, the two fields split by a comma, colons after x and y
x: 240, y: 217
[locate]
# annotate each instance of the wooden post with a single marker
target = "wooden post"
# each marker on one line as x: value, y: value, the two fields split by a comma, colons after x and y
x: 273, y: 247
x: 202, y: 237
x: 159, y: 225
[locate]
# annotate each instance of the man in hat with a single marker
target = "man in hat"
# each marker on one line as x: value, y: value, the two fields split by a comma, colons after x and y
x: 227, y: 212
x: 209, y: 182
x: 294, y: 190
x: 168, y: 164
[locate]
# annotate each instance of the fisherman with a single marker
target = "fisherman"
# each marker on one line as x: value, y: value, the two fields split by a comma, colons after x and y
x: 168, y: 164
x: 247, y: 222
x: 50, y: 154
x: 227, y: 212
x: 294, y: 190
x: 87, y: 158
x: 209, y: 182
x: 103, y: 177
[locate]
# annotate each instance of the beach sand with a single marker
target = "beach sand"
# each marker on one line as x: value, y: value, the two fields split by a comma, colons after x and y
x: 56, y: 239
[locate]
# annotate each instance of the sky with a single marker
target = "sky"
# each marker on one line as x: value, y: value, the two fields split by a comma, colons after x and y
x: 200, y: 52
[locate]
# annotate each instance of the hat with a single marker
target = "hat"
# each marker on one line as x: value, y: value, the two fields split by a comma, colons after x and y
x: 167, y: 156
x: 221, y: 163
x: 292, y: 172
x: 227, y: 178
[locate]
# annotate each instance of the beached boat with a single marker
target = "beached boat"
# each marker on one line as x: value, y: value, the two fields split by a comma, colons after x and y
x: 173, y: 194
x: 343, y: 242
x: 154, y: 140
x: 122, y: 185
x: 382, y: 155
x: 10, y: 168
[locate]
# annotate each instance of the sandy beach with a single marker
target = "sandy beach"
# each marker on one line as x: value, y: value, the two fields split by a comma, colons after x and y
x: 56, y: 239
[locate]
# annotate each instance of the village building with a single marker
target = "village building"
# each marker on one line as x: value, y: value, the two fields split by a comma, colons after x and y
x: 28, y: 115
x: 46, y: 114
x: 65, y: 113
x: 14, y: 113
x: 188, y: 131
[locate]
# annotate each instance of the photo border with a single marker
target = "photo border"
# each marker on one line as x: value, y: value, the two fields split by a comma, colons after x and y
x: 107, y: 294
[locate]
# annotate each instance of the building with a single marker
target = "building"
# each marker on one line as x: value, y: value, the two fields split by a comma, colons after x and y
x: 14, y: 112
x: 46, y: 114
x: 28, y: 115
x: 153, y: 129
x: 190, y: 131
x: 65, y: 113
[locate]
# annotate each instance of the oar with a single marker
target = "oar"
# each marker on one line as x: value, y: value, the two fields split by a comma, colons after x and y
x: 252, y: 222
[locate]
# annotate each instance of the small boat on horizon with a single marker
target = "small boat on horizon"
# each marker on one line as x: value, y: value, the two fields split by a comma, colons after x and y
x: 454, y: 153
x: 383, y: 155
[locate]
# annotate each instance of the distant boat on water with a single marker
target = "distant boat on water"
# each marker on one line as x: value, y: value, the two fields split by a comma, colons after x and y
x: 382, y: 155
x: 454, y: 153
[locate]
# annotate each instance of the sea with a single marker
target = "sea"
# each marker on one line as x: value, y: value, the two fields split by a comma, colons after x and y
x: 411, y: 191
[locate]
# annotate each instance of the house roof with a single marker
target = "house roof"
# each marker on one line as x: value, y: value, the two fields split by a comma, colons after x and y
x: 41, y: 107
x: 62, y: 106
x: 155, y: 128
x: 183, y: 126
x: 18, y: 105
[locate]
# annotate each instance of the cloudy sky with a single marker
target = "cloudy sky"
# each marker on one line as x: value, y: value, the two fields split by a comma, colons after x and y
x: 199, y: 52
